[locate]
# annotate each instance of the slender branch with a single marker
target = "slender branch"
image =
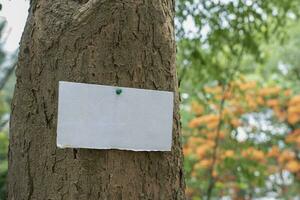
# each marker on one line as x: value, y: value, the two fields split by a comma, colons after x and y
x: 182, y: 75
x: 225, y: 89
x: 215, y: 150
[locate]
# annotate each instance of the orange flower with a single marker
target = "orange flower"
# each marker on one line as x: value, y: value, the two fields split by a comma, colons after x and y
x: 273, y: 102
x: 294, y: 109
x: 213, y: 90
x: 228, y: 95
x: 247, y: 86
x: 281, y: 115
x: 293, y: 166
x: 295, y: 100
x: 195, y: 141
x: 219, y: 97
x: 201, y: 151
x: 227, y: 112
x: 293, y: 118
x: 212, y: 135
x: 229, y: 154
x: 186, y: 151
x: 286, y: 155
x: 211, y: 118
x: 274, y: 151
x: 212, y: 125
x: 288, y: 92
x: 235, y: 122
x: 269, y: 91
x: 258, y: 155
x: 197, y: 108
x: 254, y: 154
x: 195, y: 122
x: 293, y: 137
x: 260, y: 100
x: 222, y: 135
x: 252, y: 105
x: 206, y: 163
x: 272, y: 169
x: 296, y: 131
x: 214, y: 173
x: 203, y: 120
x: 194, y: 174
x: 298, y: 140
x: 210, y: 143
x: 189, y: 191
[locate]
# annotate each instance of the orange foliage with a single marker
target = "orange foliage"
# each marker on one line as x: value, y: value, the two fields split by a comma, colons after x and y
x: 212, y: 135
x: 288, y: 92
x: 186, y: 151
x: 213, y: 90
x: 205, y: 163
x: 294, y: 100
x: 197, y: 108
x: 189, y: 191
x: 236, y: 122
x: 281, y: 115
x: 269, y: 91
x: 247, y: 85
x: 253, y: 154
x: 204, y: 120
x: 212, y: 125
x: 228, y: 154
x: 272, y: 169
x: 294, y: 110
x: 293, y: 137
x: 195, y: 141
x: 260, y: 101
x: 201, y: 150
x: 293, y: 166
x: 293, y: 118
x: 285, y: 156
x: 242, y: 98
x: 274, y: 152
x: 273, y: 102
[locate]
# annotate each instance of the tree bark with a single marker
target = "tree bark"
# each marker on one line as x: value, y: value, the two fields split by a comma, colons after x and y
x: 112, y: 42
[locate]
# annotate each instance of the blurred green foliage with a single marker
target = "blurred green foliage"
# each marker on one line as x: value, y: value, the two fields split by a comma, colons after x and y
x: 5, y: 98
x: 3, y: 163
x: 223, y: 33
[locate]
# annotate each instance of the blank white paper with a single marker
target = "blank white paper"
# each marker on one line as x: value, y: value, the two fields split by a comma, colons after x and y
x: 94, y: 116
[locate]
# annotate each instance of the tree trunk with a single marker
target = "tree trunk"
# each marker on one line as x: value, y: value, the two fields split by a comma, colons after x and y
x: 112, y: 42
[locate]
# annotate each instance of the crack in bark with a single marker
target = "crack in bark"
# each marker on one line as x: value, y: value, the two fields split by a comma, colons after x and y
x: 30, y: 178
x: 48, y: 119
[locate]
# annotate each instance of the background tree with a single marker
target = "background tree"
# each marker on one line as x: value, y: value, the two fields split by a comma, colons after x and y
x: 7, y: 64
x: 228, y: 41
x: 124, y: 43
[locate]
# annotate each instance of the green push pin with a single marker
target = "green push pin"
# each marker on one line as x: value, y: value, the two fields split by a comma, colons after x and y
x: 118, y: 91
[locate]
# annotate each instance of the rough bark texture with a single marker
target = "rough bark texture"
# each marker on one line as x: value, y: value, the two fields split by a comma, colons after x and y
x: 114, y: 42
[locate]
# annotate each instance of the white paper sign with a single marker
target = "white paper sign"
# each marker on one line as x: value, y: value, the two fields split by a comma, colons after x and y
x: 107, y: 117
